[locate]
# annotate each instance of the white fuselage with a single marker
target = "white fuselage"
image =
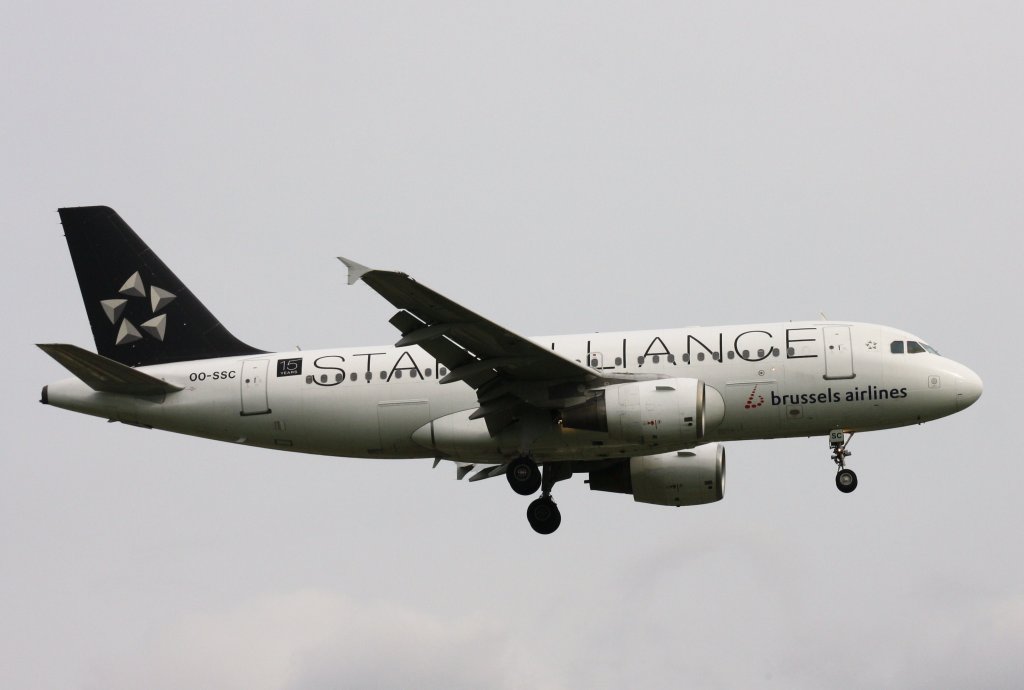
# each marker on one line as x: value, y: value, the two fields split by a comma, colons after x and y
x: 776, y: 380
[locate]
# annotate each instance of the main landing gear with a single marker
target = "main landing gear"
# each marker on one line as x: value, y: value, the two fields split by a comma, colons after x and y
x: 525, y: 477
x: 846, y: 479
x: 544, y: 515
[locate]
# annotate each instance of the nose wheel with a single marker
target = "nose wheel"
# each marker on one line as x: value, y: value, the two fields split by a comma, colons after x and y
x: 846, y: 479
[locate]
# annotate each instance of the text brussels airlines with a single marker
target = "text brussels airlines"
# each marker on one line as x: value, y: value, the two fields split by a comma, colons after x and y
x: 831, y: 396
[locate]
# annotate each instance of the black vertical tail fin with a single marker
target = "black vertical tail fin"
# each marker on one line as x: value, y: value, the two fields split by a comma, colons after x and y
x: 139, y: 311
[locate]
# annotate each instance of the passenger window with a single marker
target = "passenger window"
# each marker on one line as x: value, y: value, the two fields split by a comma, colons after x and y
x: 354, y: 376
x: 896, y: 347
x: 429, y: 372
x: 914, y: 347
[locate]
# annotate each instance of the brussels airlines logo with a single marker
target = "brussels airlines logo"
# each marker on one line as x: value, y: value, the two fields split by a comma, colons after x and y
x: 754, y: 400
x: 155, y: 327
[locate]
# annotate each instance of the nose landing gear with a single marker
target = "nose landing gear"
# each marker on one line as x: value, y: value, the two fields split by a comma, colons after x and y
x: 846, y: 479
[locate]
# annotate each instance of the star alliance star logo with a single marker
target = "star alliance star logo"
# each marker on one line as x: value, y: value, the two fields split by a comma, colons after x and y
x: 155, y: 327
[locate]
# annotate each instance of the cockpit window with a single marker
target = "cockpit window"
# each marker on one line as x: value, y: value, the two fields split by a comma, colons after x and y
x: 913, y: 347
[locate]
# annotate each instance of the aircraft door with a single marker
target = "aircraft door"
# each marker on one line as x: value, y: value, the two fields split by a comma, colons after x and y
x: 254, y: 387
x: 838, y: 352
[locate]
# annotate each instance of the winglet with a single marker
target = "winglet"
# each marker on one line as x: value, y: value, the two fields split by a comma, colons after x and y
x: 355, y: 271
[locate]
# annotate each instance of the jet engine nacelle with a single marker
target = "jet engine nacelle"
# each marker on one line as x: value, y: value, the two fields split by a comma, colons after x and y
x: 685, y: 478
x: 662, y: 412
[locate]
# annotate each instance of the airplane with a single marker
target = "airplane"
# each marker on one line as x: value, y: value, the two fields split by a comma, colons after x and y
x: 643, y: 413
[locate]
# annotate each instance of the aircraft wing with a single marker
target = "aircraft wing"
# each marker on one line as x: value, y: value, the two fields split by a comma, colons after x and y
x: 498, y: 363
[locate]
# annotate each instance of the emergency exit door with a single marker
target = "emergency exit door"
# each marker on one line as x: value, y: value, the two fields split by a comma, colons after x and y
x: 838, y: 352
x: 254, y: 387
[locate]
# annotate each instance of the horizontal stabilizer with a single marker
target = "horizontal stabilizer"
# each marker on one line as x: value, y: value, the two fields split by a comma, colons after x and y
x: 106, y: 375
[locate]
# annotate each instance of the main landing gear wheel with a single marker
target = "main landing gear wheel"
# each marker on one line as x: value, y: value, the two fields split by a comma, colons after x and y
x: 544, y: 515
x: 846, y: 480
x: 523, y: 476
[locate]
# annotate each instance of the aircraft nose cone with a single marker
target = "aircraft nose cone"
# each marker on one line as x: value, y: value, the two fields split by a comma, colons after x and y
x: 968, y: 389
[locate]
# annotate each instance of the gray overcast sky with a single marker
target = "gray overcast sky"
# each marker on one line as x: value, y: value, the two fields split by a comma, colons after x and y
x: 570, y: 168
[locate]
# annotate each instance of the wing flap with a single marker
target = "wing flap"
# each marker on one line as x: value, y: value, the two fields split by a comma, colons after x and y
x: 488, y: 472
x: 440, y: 348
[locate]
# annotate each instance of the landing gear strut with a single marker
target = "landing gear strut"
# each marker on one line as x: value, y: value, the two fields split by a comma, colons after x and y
x: 543, y: 513
x: 846, y: 479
